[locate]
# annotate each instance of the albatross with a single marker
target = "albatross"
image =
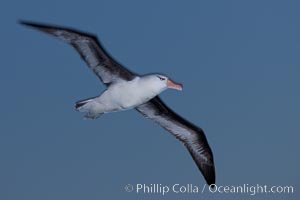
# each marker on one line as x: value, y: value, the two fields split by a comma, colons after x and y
x: 127, y: 90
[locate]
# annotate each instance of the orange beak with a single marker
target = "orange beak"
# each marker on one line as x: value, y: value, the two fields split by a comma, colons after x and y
x: 173, y: 85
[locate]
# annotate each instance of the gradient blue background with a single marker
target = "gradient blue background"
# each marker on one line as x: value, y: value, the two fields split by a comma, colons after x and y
x: 238, y: 61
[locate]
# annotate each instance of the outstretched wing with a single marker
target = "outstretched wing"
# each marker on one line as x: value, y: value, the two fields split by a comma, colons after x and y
x: 90, y: 50
x: 192, y: 136
x: 109, y: 71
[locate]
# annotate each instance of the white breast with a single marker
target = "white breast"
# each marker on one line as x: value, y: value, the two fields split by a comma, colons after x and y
x: 126, y: 94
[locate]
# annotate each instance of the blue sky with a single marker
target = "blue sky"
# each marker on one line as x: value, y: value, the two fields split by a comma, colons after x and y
x: 239, y: 64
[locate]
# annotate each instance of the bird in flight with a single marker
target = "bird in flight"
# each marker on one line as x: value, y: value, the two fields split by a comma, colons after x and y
x: 127, y: 90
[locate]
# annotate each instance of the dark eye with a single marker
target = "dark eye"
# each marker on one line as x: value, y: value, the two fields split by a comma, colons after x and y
x: 161, y: 78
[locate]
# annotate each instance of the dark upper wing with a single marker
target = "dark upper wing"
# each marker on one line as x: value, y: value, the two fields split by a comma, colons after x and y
x: 192, y: 136
x: 90, y: 50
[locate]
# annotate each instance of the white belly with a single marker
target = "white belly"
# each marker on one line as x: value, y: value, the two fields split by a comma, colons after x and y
x: 124, y: 95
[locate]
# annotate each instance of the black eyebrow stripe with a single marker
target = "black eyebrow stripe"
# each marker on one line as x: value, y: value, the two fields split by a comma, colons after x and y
x: 161, y: 78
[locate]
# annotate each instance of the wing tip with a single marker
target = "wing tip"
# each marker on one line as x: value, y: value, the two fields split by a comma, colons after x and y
x: 34, y: 25
x: 26, y: 23
x: 49, y: 28
x: 209, y: 175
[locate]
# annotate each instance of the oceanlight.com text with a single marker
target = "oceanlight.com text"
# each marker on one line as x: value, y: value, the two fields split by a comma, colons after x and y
x: 247, y: 189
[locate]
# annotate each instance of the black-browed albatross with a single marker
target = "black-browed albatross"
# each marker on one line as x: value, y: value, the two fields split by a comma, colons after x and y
x: 127, y: 90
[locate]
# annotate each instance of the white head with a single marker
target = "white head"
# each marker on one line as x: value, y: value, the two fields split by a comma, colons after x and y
x: 158, y: 83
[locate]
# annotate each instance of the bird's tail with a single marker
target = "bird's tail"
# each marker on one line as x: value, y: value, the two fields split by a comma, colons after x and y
x: 79, y: 104
x: 87, y: 106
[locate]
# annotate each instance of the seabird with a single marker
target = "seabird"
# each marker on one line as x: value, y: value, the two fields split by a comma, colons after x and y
x: 126, y: 90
